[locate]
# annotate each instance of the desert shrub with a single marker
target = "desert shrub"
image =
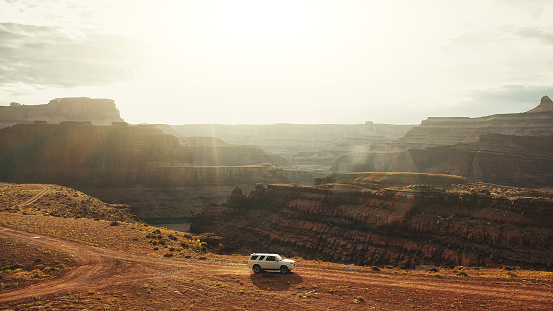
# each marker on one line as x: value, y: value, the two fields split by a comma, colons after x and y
x: 198, y: 245
x: 462, y: 274
x: 512, y: 275
x: 114, y: 223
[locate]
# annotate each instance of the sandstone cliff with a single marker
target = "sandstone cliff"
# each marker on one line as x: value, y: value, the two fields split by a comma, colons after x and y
x: 138, y: 166
x: 73, y: 153
x: 442, y: 223
x: 433, y: 132
x: 97, y: 111
x: 449, y: 131
x: 523, y: 161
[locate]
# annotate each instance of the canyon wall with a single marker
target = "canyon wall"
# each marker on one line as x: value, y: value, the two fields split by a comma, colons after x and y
x: 73, y: 153
x: 449, y: 131
x: 448, y: 225
x: 524, y: 161
x: 213, y: 151
x: 455, y: 146
x: 136, y: 166
x: 97, y: 111
x: 302, y: 150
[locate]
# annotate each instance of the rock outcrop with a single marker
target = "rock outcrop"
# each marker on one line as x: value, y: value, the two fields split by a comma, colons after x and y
x: 97, y: 111
x: 546, y: 105
x: 448, y: 222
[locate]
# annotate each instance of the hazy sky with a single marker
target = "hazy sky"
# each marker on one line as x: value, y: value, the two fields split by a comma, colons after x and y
x: 319, y: 61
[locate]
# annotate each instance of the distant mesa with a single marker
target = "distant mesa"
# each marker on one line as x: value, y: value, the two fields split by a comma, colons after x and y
x: 98, y: 111
x: 546, y: 105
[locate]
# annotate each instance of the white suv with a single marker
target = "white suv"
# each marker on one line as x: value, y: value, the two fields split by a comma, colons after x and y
x: 262, y: 261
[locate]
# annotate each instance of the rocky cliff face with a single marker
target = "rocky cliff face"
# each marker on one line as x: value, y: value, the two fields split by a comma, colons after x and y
x: 80, y: 153
x: 446, y: 225
x: 523, y: 161
x: 449, y: 131
x: 435, y: 132
x: 97, y: 111
x: 139, y: 166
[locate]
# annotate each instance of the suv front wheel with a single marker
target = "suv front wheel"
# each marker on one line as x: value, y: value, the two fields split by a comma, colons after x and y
x: 284, y: 269
x: 257, y: 269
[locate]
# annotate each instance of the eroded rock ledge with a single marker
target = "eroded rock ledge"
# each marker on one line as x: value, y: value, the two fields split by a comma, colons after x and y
x: 462, y: 224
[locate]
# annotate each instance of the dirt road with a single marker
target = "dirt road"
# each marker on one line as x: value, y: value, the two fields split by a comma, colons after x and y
x: 186, y: 283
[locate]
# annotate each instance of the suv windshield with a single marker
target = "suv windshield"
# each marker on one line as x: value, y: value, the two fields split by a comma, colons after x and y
x: 278, y: 257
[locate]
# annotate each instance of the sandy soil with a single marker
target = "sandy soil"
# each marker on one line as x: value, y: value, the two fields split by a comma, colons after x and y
x: 119, y: 277
x: 105, y: 278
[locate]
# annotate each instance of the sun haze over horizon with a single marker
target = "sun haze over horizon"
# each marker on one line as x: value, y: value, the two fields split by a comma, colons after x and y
x: 265, y: 62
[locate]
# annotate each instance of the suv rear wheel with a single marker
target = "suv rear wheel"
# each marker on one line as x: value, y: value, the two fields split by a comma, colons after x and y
x: 257, y: 269
x: 284, y: 269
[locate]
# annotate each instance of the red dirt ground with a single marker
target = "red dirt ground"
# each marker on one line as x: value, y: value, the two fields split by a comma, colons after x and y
x: 97, y: 278
x: 105, y: 278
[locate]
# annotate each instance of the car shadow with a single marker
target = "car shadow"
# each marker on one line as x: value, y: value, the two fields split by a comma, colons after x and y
x: 275, y: 280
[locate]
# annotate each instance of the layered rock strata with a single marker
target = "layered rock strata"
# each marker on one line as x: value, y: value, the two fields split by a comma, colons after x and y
x: 523, y: 161
x: 439, y: 131
x: 405, y: 226
x: 138, y: 166
x: 83, y: 154
x: 455, y: 146
x: 73, y: 153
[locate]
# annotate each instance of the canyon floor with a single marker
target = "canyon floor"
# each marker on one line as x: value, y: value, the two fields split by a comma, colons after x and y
x: 48, y: 263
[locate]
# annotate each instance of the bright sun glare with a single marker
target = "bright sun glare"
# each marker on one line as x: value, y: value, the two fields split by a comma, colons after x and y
x: 231, y: 25
x: 233, y: 56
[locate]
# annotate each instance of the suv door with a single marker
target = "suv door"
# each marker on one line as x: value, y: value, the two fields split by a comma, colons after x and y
x: 271, y: 263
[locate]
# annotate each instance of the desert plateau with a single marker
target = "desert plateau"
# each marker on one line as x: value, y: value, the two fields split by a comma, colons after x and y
x: 276, y: 155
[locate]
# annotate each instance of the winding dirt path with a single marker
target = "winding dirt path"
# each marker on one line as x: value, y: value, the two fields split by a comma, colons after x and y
x: 45, y: 190
x: 99, y: 268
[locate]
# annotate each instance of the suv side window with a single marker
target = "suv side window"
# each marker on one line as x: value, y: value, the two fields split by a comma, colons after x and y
x: 260, y: 257
x: 270, y: 258
x: 254, y: 257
